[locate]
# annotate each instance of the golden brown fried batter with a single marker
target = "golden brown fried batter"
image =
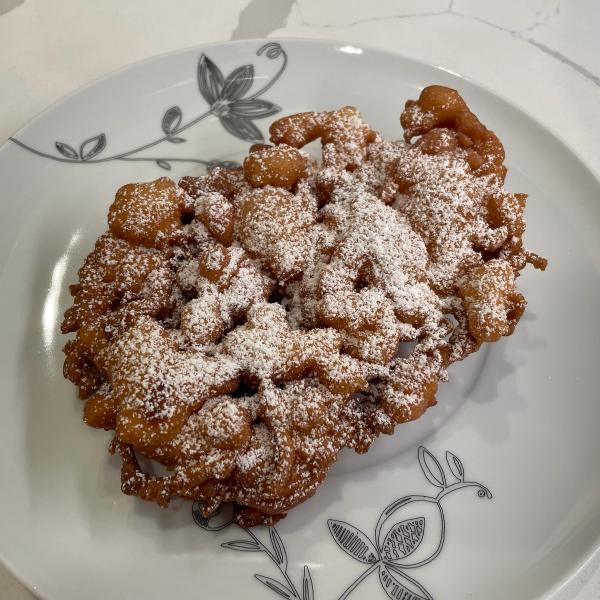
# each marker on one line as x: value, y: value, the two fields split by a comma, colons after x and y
x: 242, y: 327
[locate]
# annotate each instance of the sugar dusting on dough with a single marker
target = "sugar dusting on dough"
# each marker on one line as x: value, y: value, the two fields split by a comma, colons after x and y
x: 245, y: 364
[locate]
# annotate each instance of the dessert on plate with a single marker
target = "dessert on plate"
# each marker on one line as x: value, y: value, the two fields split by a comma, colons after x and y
x: 242, y: 327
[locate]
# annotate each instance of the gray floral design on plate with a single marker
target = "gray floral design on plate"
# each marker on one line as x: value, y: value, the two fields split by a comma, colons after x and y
x: 227, y: 100
x: 400, y: 544
x: 277, y: 553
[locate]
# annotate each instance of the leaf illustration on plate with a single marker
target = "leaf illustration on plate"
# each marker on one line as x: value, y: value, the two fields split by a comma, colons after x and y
x: 399, y: 586
x: 276, y: 586
x: 163, y: 164
x: 278, y: 548
x: 308, y: 591
x: 176, y: 140
x: 353, y: 541
x: 455, y: 465
x: 403, y: 539
x: 431, y: 468
x: 238, y: 82
x: 66, y: 150
x: 254, y: 108
x: 242, y: 546
x: 223, y: 164
x: 172, y: 120
x: 92, y: 147
x: 242, y: 128
x: 210, y: 79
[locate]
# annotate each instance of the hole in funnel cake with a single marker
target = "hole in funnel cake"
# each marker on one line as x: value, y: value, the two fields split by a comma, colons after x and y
x: 187, y: 217
x: 242, y: 327
x: 244, y: 390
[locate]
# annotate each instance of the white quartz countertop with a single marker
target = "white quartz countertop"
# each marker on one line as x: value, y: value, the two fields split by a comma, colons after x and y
x: 543, y: 55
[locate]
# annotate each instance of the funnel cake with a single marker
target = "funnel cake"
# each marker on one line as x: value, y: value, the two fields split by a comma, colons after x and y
x: 242, y: 327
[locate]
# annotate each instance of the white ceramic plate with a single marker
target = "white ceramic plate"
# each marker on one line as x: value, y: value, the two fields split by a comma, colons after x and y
x: 522, y: 414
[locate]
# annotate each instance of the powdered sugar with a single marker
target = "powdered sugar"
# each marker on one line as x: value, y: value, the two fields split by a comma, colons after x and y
x: 254, y: 342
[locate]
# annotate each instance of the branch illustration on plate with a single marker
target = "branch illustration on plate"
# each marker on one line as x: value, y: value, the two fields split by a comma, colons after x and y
x: 277, y: 553
x: 410, y: 533
x: 226, y: 98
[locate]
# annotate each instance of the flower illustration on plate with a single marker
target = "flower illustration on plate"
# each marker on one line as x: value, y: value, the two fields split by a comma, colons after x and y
x: 410, y: 532
x: 225, y: 95
x: 227, y: 99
